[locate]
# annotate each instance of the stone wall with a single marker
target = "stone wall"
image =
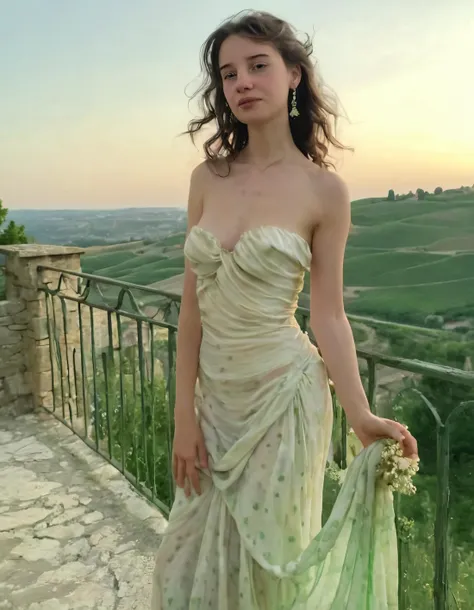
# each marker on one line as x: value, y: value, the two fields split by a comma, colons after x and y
x: 15, y: 391
x: 25, y: 354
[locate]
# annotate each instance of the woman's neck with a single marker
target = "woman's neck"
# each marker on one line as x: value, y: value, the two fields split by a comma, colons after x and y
x: 269, y: 143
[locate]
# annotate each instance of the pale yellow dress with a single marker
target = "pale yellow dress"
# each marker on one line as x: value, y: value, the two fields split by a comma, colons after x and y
x: 249, y: 542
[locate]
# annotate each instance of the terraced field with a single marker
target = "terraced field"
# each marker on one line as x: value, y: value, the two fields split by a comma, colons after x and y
x: 412, y: 257
x: 145, y: 265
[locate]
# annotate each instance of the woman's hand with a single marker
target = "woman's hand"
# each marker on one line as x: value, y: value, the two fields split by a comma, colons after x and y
x: 369, y: 428
x: 189, y: 450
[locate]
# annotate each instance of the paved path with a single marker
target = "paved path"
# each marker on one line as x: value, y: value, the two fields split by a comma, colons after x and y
x: 74, y: 535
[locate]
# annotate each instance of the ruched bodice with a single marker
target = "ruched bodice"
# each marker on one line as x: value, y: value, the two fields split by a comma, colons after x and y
x: 248, y: 297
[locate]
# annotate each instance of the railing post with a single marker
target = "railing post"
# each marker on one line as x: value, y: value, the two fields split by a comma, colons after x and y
x: 26, y: 365
x: 441, y: 524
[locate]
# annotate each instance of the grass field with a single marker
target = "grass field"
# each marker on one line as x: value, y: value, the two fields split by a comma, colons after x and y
x: 146, y: 264
x: 412, y: 257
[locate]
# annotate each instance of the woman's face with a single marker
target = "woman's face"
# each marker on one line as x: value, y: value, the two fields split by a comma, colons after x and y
x: 255, y: 79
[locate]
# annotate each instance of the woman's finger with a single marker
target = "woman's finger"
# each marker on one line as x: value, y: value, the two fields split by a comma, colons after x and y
x: 396, y: 432
x: 180, y: 472
x: 410, y: 446
x: 407, y: 440
x: 193, y: 476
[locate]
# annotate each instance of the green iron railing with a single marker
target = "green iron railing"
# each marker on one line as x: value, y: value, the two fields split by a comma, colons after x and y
x: 112, y: 373
x: 112, y: 360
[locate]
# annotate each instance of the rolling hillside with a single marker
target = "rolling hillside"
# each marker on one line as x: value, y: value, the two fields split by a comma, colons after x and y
x: 144, y: 265
x: 90, y: 227
x: 408, y: 259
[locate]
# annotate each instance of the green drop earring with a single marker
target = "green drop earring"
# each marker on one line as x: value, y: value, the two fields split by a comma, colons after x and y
x: 294, y: 110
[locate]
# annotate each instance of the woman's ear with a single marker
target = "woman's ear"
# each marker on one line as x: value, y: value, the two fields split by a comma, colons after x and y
x: 295, y: 76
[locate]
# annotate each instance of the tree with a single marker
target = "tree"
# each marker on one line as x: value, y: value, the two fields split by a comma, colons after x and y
x: 420, y: 193
x: 438, y: 190
x: 12, y: 233
x: 391, y: 195
x: 434, y: 321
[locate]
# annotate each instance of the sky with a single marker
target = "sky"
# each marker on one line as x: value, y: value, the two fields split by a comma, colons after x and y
x: 94, y: 95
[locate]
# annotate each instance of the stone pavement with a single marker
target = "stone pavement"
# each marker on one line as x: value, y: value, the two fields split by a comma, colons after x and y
x: 74, y: 535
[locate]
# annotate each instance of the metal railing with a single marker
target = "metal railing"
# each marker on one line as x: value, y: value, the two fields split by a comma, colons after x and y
x: 112, y: 360
x: 112, y: 373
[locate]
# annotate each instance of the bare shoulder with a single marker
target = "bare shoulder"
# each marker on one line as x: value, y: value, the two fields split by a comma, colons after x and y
x: 332, y: 192
x: 199, y: 176
x: 197, y: 191
x: 207, y: 171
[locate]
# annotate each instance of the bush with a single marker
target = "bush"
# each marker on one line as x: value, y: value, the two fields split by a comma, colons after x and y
x: 134, y: 419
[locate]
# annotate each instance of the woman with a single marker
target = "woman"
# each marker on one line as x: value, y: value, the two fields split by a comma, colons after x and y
x: 252, y: 435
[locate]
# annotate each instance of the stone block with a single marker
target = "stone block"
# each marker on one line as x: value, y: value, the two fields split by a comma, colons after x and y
x: 17, y: 385
x: 9, y: 337
x: 38, y: 329
x: 29, y: 294
x: 15, y: 307
x: 22, y: 317
x: 12, y: 367
x: 41, y: 382
x: 8, y: 351
x: 23, y: 273
x: 20, y: 405
x: 6, y: 320
x: 42, y: 360
x: 4, y: 308
x: 48, y: 253
x: 22, y: 518
x: 42, y: 342
x: 46, y: 400
x: 11, y: 290
x: 36, y: 309
x: 18, y: 327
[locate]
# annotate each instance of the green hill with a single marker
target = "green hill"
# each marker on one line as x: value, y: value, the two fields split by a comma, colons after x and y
x: 146, y: 264
x: 407, y: 259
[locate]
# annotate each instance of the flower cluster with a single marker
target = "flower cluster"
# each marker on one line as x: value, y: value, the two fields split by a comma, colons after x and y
x: 395, y: 470
x: 335, y: 473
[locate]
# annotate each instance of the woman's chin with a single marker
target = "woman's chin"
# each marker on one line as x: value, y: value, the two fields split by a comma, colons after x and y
x: 254, y: 117
x: 258, y: 116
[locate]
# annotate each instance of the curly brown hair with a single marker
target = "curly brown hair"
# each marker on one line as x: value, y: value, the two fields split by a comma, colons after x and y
x: 312, y: 130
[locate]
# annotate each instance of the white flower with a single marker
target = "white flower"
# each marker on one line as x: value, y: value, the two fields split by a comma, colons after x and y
x: 403, y: 463
x: 396, y: 470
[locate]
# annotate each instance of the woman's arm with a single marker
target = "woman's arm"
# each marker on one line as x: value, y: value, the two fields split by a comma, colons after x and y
x: 328, y: 319
x: 188, y: 446
x: 189, y: 321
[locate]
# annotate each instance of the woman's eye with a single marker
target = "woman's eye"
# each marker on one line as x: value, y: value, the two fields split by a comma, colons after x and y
x: 257, y: 67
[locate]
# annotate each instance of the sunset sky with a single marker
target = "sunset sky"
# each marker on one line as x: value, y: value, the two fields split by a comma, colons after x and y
x: 93, y: 94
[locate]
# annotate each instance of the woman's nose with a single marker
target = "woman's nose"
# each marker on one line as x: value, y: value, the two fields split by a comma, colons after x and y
x: 244, y: 83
